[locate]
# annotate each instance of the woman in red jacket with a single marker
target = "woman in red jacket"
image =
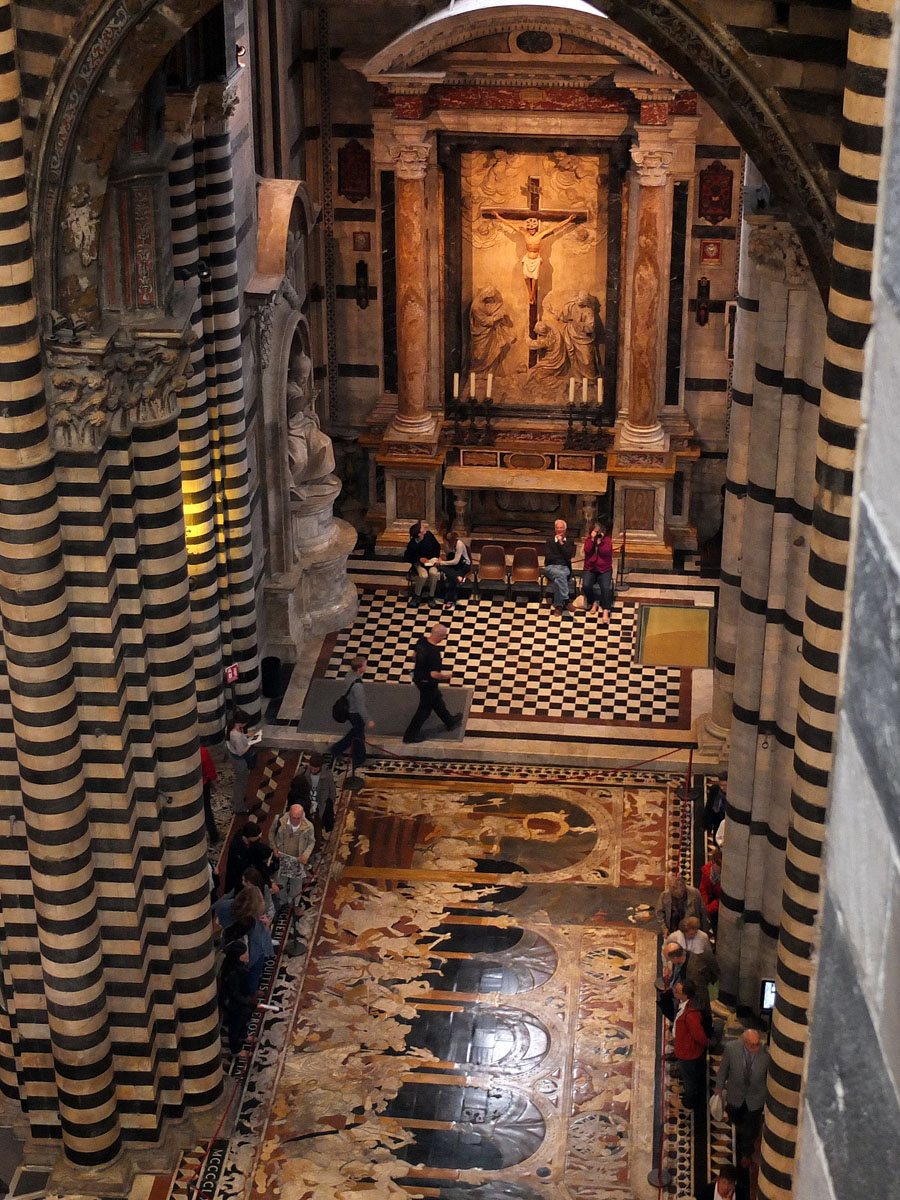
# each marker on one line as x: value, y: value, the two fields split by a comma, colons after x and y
x: 690, y: 1044
x: 597, y: 572
x: 711, y: 886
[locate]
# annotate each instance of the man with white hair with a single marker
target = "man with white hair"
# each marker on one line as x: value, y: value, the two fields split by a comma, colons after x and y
x: 428, y: 674
x: 293, y: 839
x: 742, y: 1079
x: 558, y: 553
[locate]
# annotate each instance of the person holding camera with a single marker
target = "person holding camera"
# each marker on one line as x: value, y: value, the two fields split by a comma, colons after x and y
x: 596, y: 577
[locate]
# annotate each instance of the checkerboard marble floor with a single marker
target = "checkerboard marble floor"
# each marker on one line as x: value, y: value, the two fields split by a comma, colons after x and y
x: 519, y: 659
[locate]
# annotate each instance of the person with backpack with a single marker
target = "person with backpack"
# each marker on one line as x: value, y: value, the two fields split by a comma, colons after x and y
x: 351, y: 706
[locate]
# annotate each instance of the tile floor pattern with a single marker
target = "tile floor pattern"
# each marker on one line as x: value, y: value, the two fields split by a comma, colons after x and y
x: 518, y: 658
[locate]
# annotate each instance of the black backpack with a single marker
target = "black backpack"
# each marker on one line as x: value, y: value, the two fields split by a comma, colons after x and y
x: 340, y: 710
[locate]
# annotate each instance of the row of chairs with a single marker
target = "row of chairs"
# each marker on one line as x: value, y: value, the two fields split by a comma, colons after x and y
x: 525, y: 570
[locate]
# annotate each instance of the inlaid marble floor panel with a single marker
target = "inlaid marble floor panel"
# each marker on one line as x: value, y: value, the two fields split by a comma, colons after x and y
x: 477, y: 1013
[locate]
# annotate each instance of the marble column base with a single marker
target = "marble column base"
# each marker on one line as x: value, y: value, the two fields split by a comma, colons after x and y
x: 424, y: 428
x: 713, y: 739
x: 635, y: 437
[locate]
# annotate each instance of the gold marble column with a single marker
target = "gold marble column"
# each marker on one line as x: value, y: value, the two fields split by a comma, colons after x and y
x: 648, y: 294
x: 413, y: 421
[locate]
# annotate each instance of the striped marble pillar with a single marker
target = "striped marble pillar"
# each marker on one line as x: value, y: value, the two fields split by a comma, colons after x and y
x: 780, y: 440
x: 196, y: 459
x: 225, y: 392
x: 53, y: 953
x: 719, y: 722
x: 849, y: 319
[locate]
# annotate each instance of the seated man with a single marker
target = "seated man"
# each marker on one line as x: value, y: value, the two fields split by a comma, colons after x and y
x: 558, y: 554
x: 422, y: 552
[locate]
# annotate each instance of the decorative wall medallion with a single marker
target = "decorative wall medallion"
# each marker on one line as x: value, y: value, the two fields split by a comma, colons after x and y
x: 710, y: 253
x: 354, y: 172
x: 362, y: 240
x: 716, y: 185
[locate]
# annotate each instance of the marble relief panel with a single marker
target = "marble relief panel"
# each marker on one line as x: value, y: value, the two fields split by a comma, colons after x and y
x: 534, y: 271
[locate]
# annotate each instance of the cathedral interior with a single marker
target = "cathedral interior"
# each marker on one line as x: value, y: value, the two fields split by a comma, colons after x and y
x: 284, y: 278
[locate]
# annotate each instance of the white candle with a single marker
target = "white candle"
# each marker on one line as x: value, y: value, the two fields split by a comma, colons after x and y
x: 472, y: 384
x: 572, y: 390
x: 490, y: 387
x: 584, y: 391
x: 599, y: 392
x: 456, y: 385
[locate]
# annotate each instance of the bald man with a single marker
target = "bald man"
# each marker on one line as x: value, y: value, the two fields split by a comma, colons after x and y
x: 742, y: 1079
x: 428, y: 675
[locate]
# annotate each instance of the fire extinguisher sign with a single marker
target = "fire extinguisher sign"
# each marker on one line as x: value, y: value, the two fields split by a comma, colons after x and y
x: 231, y: 673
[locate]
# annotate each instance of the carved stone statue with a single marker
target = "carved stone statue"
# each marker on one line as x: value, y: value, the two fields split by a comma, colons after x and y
x: 583, y: 331
x: 490, y: 331
x: 553, y: 361
x: 310, y: 452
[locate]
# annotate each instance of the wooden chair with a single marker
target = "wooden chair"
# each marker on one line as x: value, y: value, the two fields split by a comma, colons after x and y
x: 491, y: 566
x: 525, y: 569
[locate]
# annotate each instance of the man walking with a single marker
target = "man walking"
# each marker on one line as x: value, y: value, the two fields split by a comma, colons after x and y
x: 313, y: 787
x: 690, y: 1045
x: 358, y: 718
x: 558, y: 553
x: 428, y: 674
x: 742, y: 1079
x: 293, y: 840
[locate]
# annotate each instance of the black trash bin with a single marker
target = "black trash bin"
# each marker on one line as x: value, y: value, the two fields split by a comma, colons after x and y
x: 271, y: 677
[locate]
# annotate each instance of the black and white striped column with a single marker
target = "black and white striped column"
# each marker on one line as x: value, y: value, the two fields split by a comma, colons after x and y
x: 775, y: 421
x: 60, y: 1001
x: 225, y: 392
x: 849, y: 318
x: 196, y: 462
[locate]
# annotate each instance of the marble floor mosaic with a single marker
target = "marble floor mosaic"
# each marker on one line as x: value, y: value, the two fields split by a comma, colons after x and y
x: 475, y: 1016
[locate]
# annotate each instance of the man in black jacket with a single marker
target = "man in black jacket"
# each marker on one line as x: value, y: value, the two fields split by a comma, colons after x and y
x: 247, y: 849
x: 421, y: 551
x: 428, y: 674
x: 558, y: 553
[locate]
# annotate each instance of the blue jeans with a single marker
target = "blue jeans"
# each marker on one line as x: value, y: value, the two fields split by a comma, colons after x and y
x: 559, y: 581
x: 597, y: 587
x: 355, y: 737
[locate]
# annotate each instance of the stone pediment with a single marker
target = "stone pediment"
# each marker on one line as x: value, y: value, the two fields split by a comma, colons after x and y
x: 524, y: 45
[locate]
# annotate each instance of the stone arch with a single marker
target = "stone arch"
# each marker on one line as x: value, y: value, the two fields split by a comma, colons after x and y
x: 708, y: 58
x: 114, y: 50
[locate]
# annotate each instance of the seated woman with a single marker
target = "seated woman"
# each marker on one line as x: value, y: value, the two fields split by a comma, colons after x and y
x: 597, y: 575
x: 455, y: 564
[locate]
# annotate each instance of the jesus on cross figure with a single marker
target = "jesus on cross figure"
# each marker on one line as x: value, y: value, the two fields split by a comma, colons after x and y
x: 534, y: 235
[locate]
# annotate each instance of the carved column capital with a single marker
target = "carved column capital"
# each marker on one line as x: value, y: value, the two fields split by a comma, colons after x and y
x: 652, y: 166
x: 411, y: 159
x: 101, y: 386
x: 178, y: 118
x: 775, y: 248
x: 217, y: 101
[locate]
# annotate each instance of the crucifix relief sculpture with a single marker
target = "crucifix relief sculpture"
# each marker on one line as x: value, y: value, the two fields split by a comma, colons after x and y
x: 527, y: 223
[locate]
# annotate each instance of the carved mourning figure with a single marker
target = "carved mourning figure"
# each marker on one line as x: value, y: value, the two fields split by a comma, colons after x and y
x: 310, y: 452
x: 583, y: 331
x: 490, y: 331
x: 553, y: 361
